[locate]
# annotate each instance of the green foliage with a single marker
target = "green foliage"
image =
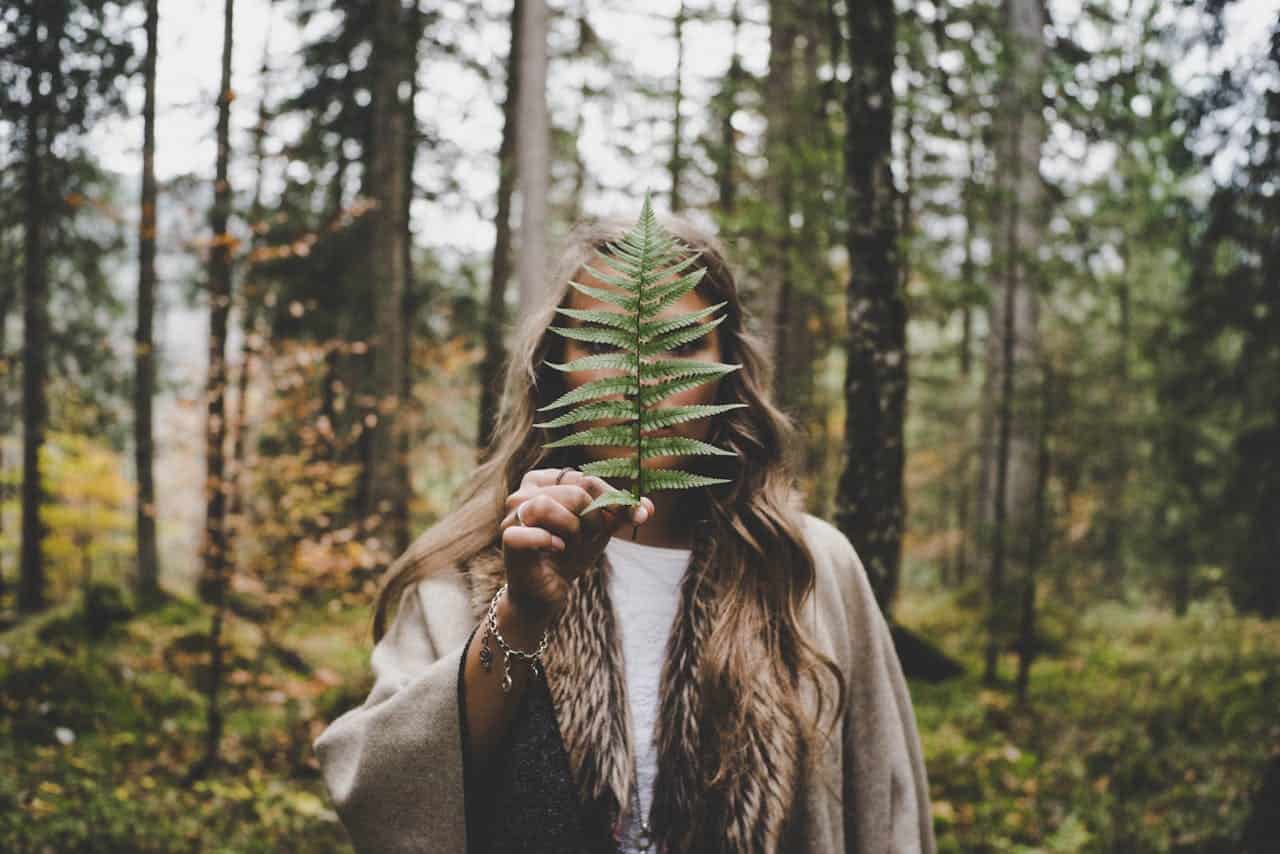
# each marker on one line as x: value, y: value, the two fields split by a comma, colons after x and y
x: 96, y: 735
x: 644, y: 259
x: 1219, y: 368
x: 1144, y: 732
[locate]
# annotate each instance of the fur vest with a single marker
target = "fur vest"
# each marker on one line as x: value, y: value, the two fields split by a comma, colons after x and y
x: 747, y: 812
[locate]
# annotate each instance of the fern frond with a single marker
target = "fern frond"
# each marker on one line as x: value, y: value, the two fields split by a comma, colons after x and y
x: 616, y: 337
x: 654, y: 328
x: 622, y: 301
x: 651, y: 270
x: 651, y: 394
x: 675, y: 339
x: 592, y: 411
x: 624, y: 467
x: 664, y: 446
x: 594, y: 389
x: 682, y: 368
x: 613, y: 319
x: 615, y: 498
x: 617, y: 435
x: 658, y: 479
x: 656, y: 419
x: 660, y: 297
x: 601, y: 362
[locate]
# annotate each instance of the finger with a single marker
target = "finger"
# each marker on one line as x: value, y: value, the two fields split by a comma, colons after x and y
x: 520, y: 538
x: 535, y: 478
x: 637, y: 515
x: 546, y: 511
x: 610, y: 519
x: 537, y: 484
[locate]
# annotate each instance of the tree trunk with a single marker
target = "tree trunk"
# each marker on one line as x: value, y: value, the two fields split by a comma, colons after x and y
x: 780, y: 98
x: 963, y: 555
x: 42, y: 56
x: 726, y: 157
x: 391, y: 65
x: 533, y: 153
x: 1040, y: 537
x: 870, y: 500
x: 148, y: 576
x: 214, y: 580
x: 811, y: 329
x: 1116, y: 519
x: 1015, y: 323
x: 412, y: 299
x: 677, y: 124
x: 6, y: 373
x: 251, y: 306
x: 495, y: 321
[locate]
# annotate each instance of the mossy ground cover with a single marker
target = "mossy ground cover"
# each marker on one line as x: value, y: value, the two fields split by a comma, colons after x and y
x: 1144, y: 732
x: 100, y: 733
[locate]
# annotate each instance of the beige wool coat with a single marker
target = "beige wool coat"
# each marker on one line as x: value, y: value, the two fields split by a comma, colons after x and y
x: 394, y: 766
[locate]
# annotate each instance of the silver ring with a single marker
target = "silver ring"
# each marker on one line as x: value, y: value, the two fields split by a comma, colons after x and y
x: 520, y: 518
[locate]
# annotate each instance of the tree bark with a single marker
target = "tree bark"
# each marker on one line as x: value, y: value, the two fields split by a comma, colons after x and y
x: 1039, y: 539
x: 1015, y: 321
x: 391, y: 63
x: 677, y: 123
x: 963, y: 555
x: 726, y: 158
x: 779, y: 98
x: 1116, y: 519
x: 495, y: 321
x: 214, y: 580
x: 148, y: 574
x: 412, y: 299
x: 251, y: 306
x: 6, y: 373
x: 870, y: 499
x: 533, y: 153
x: 42, y: 57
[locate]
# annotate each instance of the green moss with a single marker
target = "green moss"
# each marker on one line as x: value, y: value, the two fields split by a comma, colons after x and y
x: 1143, y: 732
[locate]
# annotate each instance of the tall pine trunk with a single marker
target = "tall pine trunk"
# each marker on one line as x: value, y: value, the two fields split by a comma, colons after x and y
x: 42, y: 59
x: 251, y: 303
x: 495, y: 320
x: 870, y: 500
x: 962, y: 557
x: 677, y: 122
x: 1014, y: 341
x: 391, y: 63
x: 726, y: 153
x: 533, y: 153
x: 148, y: 575
x: 215, y: 570
x: 1038, y: 541
x: 412, y: 299
x: 780, y: 97
x: 7, y: 290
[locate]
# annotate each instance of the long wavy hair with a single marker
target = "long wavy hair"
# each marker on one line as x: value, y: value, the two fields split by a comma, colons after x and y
x: 758, y: 560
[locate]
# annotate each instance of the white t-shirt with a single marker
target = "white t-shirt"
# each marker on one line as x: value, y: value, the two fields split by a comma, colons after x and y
x: 644, y: 588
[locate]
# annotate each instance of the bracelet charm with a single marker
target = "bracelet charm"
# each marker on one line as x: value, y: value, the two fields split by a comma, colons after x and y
x: 486, y: 655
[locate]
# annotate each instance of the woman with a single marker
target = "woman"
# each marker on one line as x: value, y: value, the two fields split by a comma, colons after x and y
x: 706, y: 672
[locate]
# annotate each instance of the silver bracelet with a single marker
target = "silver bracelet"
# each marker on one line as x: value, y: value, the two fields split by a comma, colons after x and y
x: 486, y: 654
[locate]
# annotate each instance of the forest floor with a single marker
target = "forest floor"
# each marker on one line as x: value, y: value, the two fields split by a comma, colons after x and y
x: 1143, y: 732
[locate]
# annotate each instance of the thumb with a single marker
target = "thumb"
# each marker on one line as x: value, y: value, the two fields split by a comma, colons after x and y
x: 638, y: 515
